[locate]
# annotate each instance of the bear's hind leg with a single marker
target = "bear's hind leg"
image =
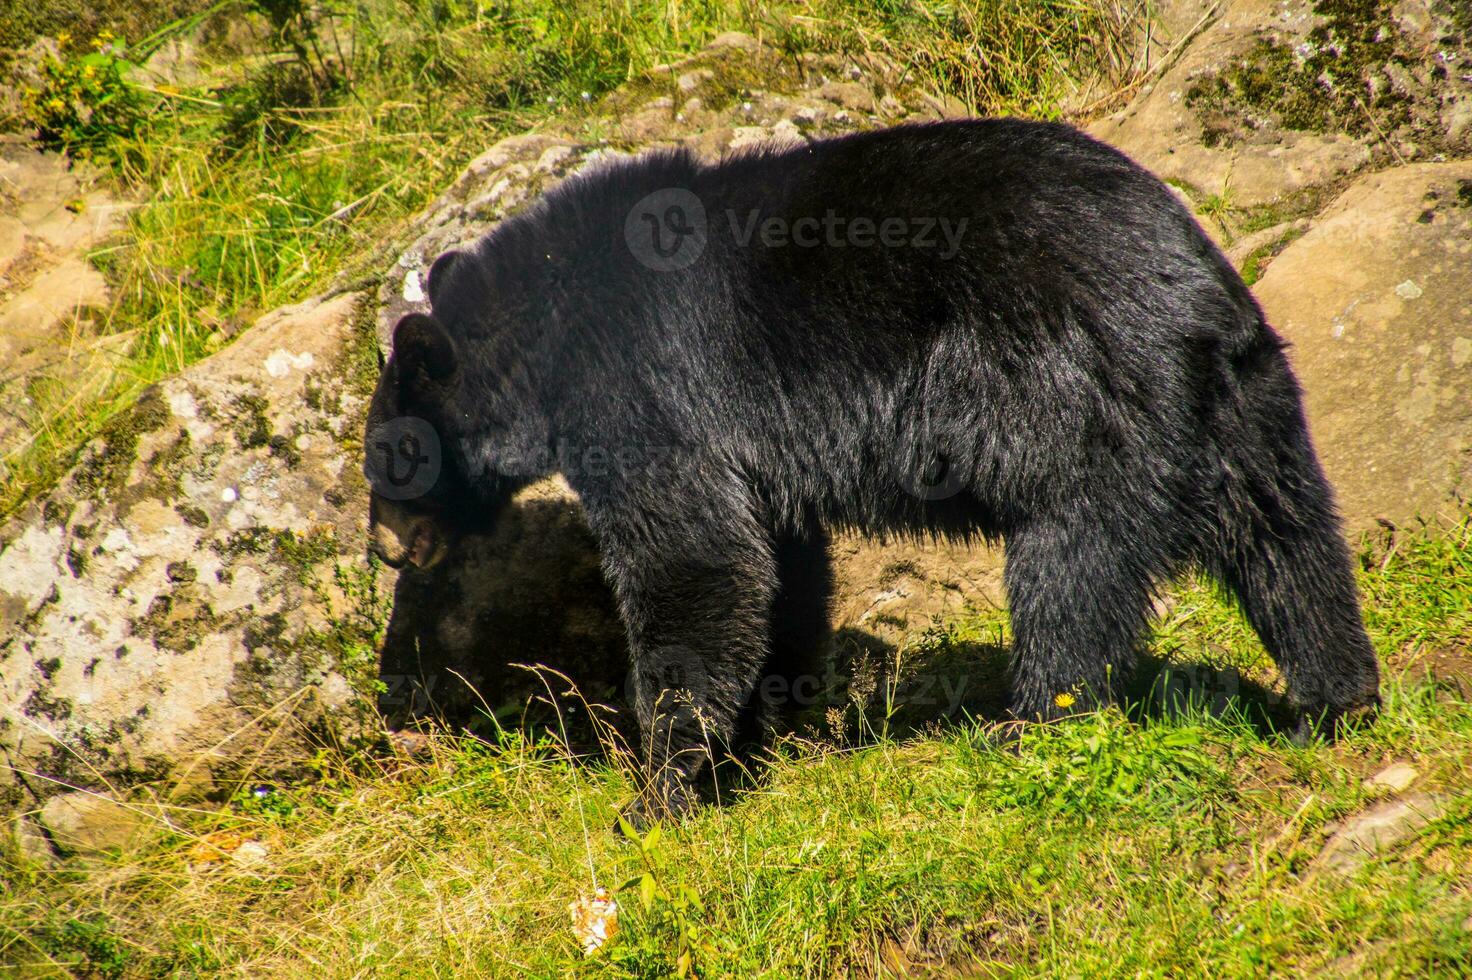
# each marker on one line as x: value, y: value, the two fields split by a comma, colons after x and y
x: 1079, y: 596
x: 1280, y: 551
x: 1293, y: 578
x: 1298, y: 593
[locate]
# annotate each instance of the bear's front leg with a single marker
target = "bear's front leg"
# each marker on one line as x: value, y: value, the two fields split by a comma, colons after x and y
x: 1079, y: 594
x: 696, y: 596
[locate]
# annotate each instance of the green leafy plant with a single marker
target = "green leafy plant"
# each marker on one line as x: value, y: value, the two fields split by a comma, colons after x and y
x: 88, y: 944
x: 1101, y: 763
x: 265, y: 801
x: 672, y: 935
x: 83, y: 101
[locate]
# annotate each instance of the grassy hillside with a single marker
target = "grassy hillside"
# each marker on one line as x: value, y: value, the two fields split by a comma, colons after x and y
x: 1176, y: 843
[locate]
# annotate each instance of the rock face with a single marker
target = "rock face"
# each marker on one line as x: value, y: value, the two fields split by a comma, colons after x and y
x: 50, y: 216
x: 1163, y: 130
x: 1271, y: 100
x: 1376, y: 299
x: 176, y: 601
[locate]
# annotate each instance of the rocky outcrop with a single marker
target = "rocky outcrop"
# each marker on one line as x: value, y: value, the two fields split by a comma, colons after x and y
x: 52, y: 345
x: 1163, y: 129
x: 1261, y: 102
x: 1376, y: 299
x: 188, y: 600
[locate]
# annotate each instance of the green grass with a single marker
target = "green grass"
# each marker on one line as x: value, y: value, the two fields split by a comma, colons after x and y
x: 316, y: 130
x: 1166, y: 844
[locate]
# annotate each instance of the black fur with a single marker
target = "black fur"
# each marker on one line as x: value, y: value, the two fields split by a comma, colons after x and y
x: 1085, y: 377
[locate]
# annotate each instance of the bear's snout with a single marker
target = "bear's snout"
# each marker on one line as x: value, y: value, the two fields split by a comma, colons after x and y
x: 419, y: 542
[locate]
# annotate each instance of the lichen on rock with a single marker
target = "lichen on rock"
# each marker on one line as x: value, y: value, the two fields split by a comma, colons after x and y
x: 138, y: 595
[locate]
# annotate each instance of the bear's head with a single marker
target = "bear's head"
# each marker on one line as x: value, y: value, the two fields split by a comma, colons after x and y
x: 449, y: 437
x: 418, y: 495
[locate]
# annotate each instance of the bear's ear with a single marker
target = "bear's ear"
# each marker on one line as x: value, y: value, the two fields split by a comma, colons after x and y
x: 439, y: 270
x: 422, y: 345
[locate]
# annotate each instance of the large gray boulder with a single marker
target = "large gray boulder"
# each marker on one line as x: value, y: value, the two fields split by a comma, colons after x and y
x: 175, y: 605
x: 1376, y: 299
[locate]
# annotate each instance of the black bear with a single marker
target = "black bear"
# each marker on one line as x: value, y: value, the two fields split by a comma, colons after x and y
x: 988, y: 328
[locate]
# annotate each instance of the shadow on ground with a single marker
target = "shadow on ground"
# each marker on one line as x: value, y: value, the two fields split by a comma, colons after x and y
x: 519, y: 630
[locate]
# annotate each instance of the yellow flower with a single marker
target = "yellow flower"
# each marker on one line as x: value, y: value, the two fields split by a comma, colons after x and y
x: 63, y: 38
x: 1065, y: 700
x: 56, y: 105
